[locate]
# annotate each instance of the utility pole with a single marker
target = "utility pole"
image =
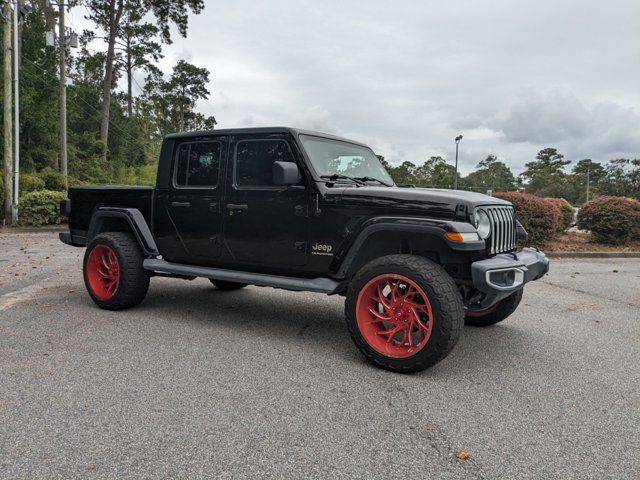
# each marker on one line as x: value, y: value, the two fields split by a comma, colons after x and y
x: 455, y: 179
x: 7, y: 106
x: 16, y: 113
x: 63, y: 97
x: 588, y: 168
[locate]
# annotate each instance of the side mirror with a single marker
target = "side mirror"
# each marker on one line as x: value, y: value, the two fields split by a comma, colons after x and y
x: 285, y: 173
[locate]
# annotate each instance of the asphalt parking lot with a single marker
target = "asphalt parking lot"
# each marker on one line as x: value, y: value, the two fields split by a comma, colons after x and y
x: 263, y: 383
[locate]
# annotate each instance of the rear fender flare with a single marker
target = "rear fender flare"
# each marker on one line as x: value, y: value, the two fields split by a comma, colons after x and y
x: 134, y: 218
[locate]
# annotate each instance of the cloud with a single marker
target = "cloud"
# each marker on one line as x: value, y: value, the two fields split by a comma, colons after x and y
x: 559, y: 118
x: 408, y: 79
x: 316, y: 118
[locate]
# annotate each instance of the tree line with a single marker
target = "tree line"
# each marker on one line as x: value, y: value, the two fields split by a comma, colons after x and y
x: 114, y: 133
x: 546, y: 176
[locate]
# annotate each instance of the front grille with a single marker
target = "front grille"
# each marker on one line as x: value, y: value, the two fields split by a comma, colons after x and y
x: 503, y: 228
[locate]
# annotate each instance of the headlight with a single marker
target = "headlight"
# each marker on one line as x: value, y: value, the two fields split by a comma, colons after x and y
x: 483, y: 224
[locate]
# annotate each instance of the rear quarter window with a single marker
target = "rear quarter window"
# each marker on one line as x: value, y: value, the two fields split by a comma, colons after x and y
x: 197, y: 164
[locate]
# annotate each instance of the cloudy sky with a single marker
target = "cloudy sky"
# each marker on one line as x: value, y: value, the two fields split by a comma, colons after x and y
x: 408, y: 76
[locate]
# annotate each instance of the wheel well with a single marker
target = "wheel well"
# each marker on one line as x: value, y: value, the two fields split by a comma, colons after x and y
x: 111, y: 224
x: 425, y: 245
x: 388, y: 243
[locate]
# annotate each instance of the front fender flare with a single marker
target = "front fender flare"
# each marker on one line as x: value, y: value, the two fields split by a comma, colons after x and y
x: 433, y: 227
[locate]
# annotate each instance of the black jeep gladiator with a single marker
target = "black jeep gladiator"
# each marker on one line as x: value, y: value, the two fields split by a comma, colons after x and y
x: 306, y: 211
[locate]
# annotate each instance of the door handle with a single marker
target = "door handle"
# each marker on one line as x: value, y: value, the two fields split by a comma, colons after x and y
x: 233, y: 206
x: 180, y: 204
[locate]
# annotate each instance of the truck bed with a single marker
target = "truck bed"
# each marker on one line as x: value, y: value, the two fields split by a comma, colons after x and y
x: 84, y: 200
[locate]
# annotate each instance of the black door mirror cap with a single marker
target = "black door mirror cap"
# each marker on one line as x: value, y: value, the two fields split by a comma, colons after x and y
x: 285, y: 173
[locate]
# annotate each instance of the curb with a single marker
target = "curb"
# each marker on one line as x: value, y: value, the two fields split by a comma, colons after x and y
x: 592, y: 254
x: 56, y: 229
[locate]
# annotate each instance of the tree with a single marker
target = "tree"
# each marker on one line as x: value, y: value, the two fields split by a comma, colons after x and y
x: 187, y: 85
x: 39, y: 141
x: 545, y: 176
x: 108, y: 15
x: 622, y: 178
x: 138, y: 46
x: 402, y: 174
x: 491, y: 174
x: 171, y: 103
x: 435, y: 173
x: 576, y: 190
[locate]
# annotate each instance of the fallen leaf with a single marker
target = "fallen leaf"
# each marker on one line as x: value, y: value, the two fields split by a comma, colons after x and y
x: 462, y: 455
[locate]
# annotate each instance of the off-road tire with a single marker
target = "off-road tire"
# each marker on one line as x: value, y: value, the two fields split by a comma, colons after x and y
x: 224, y: 285
x: 496, y: 314
x: 442, y: 293
x: 134, y: 280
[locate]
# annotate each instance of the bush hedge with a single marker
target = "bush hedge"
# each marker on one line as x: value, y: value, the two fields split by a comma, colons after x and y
x: 31, y: 182
x: 612, y: 220
x: 40, y: 208
x: 539, y: 216
x: 566, y: 213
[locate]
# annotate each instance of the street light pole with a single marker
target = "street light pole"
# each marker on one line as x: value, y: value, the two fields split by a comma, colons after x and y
x: 16, y: 114
x: 455, y: 179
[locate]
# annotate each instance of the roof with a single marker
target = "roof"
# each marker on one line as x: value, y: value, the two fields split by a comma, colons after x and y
x: 260, y: 130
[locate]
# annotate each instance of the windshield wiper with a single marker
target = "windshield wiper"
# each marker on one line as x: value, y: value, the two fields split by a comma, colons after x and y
x: 337, y: 176
x: 372, y: 179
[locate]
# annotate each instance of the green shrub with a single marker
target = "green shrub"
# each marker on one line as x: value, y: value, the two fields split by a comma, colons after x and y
x: 613, y: 220
x: 30, y: 182
x: 40, y: 208
x: 52, y: 180
x: 539, y: 216
x: 566, y: 213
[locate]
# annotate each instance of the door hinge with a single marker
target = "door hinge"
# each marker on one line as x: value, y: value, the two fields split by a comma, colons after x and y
x: 301, y: 246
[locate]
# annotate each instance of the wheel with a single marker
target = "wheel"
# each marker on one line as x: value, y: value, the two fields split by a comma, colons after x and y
x: 224, y: 285
x: 113, y: 272
x: 404, y: 312
x: 494, y: 314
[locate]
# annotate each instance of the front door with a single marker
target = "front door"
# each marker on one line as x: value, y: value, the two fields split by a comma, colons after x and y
x: 265, y: 224
x: 193, y: 199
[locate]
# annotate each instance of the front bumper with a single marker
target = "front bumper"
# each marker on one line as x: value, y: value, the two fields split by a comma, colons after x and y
x: 500, y: 276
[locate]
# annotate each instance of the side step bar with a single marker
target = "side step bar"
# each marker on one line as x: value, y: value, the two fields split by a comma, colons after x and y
x: 320, y: 285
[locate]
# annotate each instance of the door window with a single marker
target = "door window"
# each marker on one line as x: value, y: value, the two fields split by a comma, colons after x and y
x: 197, y: 165
x: 254, y: 161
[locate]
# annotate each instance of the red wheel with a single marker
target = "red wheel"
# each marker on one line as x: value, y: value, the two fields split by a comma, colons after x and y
x: 113, y: 271
x: 404, y: 312
x: 103, y: 272
x: 494, y: 314
x: 479, y: 313
x: 394, y: 316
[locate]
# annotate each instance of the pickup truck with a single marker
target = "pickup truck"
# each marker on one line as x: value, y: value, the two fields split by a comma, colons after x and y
x: 306, y: 211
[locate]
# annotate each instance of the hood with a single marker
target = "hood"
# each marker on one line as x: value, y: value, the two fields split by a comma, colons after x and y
x: 439, y: 201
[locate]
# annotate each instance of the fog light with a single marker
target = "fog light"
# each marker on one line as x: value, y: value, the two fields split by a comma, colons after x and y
x: 505, y: 279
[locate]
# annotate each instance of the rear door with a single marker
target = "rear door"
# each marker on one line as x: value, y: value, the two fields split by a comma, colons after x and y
x: 265, y: 224
x: 193, y: 199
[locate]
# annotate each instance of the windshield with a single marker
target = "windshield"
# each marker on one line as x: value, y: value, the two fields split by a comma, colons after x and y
x: 333, y: 157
